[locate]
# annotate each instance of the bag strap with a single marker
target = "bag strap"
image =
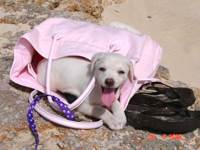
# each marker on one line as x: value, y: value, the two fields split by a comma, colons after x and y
x: 82, y: 97
x: 64, y: 108
x: 68, y: 121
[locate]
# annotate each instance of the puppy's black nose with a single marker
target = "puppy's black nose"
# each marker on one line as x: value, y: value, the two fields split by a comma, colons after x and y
x: 109, y: 82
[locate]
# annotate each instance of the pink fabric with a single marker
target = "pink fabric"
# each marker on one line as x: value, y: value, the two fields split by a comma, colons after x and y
x: 78, y: 38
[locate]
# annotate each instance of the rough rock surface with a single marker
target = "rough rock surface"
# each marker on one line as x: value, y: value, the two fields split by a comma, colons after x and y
x: 17, y: 17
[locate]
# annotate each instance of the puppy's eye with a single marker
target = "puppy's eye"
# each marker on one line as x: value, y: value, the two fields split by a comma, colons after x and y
x: 102, y: 69
x: 121, y: 72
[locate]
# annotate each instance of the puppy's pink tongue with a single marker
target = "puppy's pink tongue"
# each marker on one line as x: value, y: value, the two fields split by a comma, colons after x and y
x: 108, y: 97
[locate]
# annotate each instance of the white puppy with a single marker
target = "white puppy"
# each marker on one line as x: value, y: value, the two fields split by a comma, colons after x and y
x: 73, y: 74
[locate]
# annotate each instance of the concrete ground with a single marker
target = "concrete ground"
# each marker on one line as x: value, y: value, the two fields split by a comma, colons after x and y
x: 174, y: 24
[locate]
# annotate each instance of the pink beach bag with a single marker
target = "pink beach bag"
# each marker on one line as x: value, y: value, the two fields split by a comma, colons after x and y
x: 60, y: 37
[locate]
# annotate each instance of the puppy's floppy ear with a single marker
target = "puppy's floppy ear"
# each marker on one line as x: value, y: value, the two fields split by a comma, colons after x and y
x: 131, y: 75
x: 94, y: 59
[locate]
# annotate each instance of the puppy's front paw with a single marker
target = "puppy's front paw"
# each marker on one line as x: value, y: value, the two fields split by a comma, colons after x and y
x: 121, y: 117
x: 117, y: 123
x: 119, y: 114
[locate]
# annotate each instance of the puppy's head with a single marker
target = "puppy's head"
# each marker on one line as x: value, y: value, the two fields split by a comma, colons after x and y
x: 111, y: 70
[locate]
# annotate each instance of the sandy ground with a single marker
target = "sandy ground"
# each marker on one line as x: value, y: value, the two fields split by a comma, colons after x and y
x: 174, y: 24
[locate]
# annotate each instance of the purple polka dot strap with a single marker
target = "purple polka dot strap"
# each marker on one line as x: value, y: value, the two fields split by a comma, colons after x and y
x: 63, y: 107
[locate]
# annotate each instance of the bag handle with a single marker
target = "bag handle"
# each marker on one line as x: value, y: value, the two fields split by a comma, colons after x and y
x: 82, y: 97
x: 61, y: 120
x: 58, y: 119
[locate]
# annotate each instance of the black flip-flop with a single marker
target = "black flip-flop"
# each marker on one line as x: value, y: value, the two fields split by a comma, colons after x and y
x: 164, y: 114
x: 168, y: 122
x: 158, y: 94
